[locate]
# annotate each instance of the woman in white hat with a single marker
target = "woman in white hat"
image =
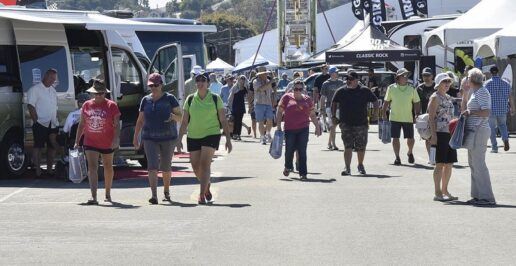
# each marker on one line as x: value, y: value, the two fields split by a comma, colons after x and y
x: 440, y: 112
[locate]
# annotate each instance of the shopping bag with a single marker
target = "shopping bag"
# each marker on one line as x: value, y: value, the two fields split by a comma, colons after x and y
x: 386, y: 131
x: 276, y: 147
x: 77, y: 169
x: 457, y: 138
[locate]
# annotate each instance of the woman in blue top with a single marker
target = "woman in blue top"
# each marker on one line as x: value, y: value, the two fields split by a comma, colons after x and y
x: 159, y: 113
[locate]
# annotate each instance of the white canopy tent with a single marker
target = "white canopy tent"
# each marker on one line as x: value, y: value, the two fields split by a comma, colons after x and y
x: 260, y: 61
x: 499, y: 44
x: 219, y: 65
x: 485, y: 18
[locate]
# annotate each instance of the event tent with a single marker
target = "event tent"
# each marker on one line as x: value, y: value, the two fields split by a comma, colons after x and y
x: 485, y: 18
x: 370, y: 45
x: 248, y: 63
x: 219, y: 65
x: 499, y: 44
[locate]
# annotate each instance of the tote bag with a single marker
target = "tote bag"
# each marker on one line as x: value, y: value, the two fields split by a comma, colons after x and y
x: 276, y: 147
x: 77, y: 169
x: 457, y: 138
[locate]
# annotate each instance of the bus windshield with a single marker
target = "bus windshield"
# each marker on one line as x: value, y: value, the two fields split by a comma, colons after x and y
x: 191, y: 43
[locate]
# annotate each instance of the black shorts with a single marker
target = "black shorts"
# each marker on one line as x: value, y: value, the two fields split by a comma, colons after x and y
x: 253, y: 115
x: 444, y: 153
x: 101, y: 151
x: 408, y: 130
x: 212, y: 141
x: 42, y: 135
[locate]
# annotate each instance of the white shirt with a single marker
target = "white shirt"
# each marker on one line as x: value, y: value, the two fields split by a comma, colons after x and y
x: 44, y: 100
x: 72, y: 119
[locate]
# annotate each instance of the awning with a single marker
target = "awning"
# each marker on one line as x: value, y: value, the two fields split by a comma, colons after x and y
x: 371, y: 45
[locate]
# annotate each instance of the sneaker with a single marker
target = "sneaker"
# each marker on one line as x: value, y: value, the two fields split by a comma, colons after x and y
x: 153, y: 201
x: 92, y: 202
x: 303, y: 177
x: 495, y: 150
x: 361, y: 169
x: 411, y: 158
x: 345, y: 172
x: 506, y: 146
x: 263, y: 140
x: 397, y: 161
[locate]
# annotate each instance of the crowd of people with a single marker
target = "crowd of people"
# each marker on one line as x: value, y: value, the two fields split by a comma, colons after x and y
x: 213, y: 109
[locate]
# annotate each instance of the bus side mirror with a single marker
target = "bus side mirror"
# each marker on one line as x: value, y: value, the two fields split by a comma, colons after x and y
x: 212, y: 52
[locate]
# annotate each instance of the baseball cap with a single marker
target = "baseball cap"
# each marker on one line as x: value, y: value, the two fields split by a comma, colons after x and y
x: 154, y: 78
x: 427, y: 71
x: 333, y: 70
x: 204, y: 75
x: 352, y: 75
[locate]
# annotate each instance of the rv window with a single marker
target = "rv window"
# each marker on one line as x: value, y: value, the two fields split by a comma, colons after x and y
x: 126, y: 72
x: 35, y: 60
x: 9, y: 74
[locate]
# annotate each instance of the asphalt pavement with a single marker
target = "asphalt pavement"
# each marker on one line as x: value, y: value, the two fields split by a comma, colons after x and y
x: 260, y: 217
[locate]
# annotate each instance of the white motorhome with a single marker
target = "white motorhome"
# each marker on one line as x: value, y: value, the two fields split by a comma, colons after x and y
x: 81, y: 46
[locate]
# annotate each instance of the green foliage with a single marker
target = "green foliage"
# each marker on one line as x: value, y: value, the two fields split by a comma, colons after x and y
x: 468, y: 61
x: 101, y: 5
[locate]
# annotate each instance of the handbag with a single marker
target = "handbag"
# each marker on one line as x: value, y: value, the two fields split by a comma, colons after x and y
x: 77, y: 169
x: 457, y: 138
x: 276, y: 147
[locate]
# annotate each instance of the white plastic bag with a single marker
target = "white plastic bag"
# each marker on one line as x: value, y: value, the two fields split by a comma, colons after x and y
x: 77, y: 169
x: 277, y: 144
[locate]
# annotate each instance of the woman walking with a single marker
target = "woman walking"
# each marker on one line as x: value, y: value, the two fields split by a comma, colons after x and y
x: 159, y: 113
x: 440, y: 112
x: 100, y: 118
x: 236, y: 104
x: 297, y: 110
x: 202, y: 120
x: 477, y: 133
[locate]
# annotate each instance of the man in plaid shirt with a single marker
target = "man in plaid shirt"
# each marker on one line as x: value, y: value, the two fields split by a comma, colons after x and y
x: 500, y: 91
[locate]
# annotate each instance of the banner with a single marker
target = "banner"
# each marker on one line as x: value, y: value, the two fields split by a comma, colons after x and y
x: 407, y: 8
x: 377, y: 13
x: 356, y: 8
x: 366, y: 6
x: 421, y: 7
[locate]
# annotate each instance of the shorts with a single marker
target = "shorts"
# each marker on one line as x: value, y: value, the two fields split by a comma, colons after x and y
x: 354, y: 137
x: 263, y: 112
x: 42, y: 135
x: 444, y: 153
x: 212, y: 141
x: 408, y: 130
x: 253, y: 115
x: 159, y: 154
x: 101, y: 151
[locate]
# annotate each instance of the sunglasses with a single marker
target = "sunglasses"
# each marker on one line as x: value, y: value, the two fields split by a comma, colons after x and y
x: 154, y: 85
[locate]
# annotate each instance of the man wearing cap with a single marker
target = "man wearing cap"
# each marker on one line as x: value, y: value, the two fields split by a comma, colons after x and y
x: 100, y: 127
x: 263, y: 104
x: 190, y: 87
x: 215, y: 85
x: 226, y: 89
x: 42, y: 106
x: 352, y: 101
x: 426, y: 89
x: 328, y: 89
x: 319, y: 80
x: 403, y: 102
x: 501, y: 100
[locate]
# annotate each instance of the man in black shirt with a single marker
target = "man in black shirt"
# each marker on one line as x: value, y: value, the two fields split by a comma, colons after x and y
x: 318, y: 82
x: 426, y: 89
x: 352, y: 101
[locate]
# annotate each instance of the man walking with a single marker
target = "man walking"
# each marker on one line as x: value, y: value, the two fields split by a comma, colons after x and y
x: 328, y: 90
x: 425, y: 90
x: 215, y: 85
x: 263, y: 104
x: 352, y: 101
x: 226, y: 89
x: 282, y: 84
x: 404, y: 102
x: 501, y: 97
x: 42, y: 105
x: 319, y: 80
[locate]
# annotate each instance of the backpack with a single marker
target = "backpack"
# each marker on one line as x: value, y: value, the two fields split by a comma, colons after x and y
x: 214, y: 97
x: 423, y: 126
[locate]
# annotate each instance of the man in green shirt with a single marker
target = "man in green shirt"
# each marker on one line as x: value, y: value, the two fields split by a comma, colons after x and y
x: 403, y: 101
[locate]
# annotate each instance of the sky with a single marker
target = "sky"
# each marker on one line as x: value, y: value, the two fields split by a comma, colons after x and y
x: 160, y: 3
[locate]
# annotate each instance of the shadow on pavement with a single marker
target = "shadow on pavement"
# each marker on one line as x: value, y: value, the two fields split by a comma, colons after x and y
x: 112, y: 204
x: 419, y: 166
x: 463, y: 203
x: 375, y: 175
x: 309, y: 180
x: 181, y: 204
x: 230, y: 205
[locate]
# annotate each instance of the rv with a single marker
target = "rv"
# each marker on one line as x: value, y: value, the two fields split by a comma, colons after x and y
x: 81, y: 46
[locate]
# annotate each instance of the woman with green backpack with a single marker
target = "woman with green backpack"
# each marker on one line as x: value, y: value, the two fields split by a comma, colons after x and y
x: 203, y: 118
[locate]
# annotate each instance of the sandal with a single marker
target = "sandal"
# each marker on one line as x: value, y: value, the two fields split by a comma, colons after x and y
x: 208, y: 195
x: 166, y: 196
x: 108, y: 198
x: 153, y: 201
x: 92, y: 202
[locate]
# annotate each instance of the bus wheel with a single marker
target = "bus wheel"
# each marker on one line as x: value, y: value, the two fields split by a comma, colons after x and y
x: 12, y: 157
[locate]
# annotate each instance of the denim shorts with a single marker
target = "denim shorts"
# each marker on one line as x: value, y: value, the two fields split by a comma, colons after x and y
x: 263, y: 112
x: 159, y: 154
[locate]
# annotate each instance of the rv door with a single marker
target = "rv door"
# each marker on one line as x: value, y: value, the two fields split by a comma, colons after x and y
x: 168, y: 61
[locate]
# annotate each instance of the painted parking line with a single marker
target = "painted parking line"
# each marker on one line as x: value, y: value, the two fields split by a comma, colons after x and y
x: 17, y: 191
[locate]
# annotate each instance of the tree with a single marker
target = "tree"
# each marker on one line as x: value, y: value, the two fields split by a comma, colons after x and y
x: 230, y: 29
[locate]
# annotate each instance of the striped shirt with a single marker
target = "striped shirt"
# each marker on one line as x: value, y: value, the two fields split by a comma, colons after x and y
x: 479, y: 100
x: 500, y: 91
